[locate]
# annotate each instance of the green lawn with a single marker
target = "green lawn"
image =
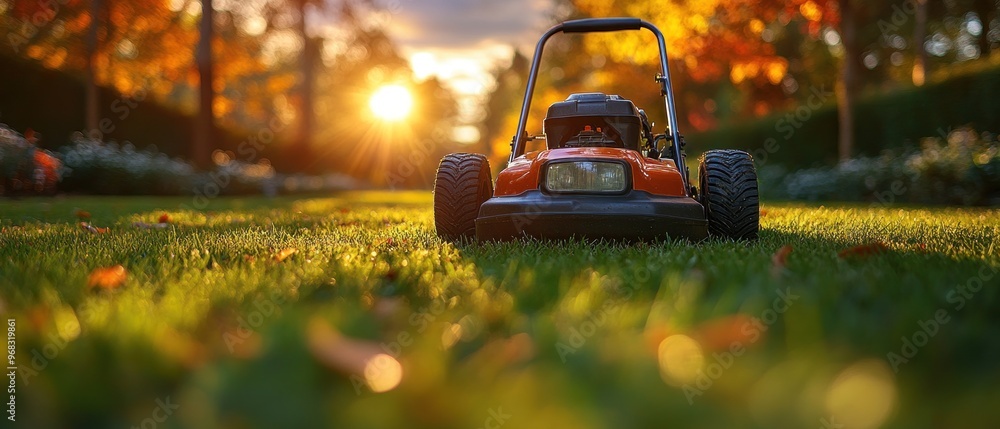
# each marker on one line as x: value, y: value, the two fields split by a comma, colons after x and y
x: 211, y: 329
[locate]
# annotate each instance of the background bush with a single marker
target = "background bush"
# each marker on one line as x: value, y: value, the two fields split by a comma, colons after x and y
x: 24, y: 168
x: 963, y: 169
x: 95, y: 167
x: 887, y: 121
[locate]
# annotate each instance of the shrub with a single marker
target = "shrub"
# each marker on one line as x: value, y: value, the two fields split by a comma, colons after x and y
x: 96, y: 167
x: 24, y: 168
x: 882, y: 121
x: 963, y: 169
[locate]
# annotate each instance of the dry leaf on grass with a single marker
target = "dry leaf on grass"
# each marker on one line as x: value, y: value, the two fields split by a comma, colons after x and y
x: 360, y: 360
x: 863, y: 251
x: 779, y: 260
x: 92, y: 229
x: 82, y: 214
x: 721, y: 333
x: 107, y: 277
x: 285, y: 253
x: 164, y: 218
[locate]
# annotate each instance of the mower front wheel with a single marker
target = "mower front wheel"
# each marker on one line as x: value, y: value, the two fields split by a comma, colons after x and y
x: 728, y: 182
x: 463, y: 183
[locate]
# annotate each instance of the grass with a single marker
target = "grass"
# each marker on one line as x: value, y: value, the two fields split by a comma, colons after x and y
x: 210, y: 329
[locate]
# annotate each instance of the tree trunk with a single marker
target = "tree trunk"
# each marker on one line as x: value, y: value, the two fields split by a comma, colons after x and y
x: 307, y: 64
x: 919, y: 36
x: 985, y: 9
x: 847, y: 81
x: 93, y: 111
x: 205, y: 128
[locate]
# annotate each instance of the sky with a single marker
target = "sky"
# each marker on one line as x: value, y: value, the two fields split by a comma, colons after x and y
x: 462, y: 41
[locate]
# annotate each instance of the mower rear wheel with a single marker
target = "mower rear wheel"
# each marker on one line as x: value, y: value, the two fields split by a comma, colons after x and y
x: 464, y: 182
x: 728, y: 182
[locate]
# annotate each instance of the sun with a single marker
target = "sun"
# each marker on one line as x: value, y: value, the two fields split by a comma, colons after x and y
x: 391, y: 103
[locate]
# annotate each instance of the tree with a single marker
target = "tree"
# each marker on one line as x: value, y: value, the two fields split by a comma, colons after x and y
x: 919, y: 51
x: 205, y: 131
x: 848, y: 79
x: 311, y: 47
x: 93, y: 103
x: 986, y: 10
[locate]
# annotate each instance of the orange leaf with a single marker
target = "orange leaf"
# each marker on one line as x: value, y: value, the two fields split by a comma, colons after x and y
x: 83, y: 215
x: 780, y: 259
x: 107, y: 277
x: 284, y: 254
x: 352, y: 357
x: 92, y: 229
x: 164, y: 218
x: 864, y: 251
x: 763, y: 212
x: 722, y: 333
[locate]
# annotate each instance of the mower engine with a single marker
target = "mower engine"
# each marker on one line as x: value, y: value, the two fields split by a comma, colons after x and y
x: 593, y: 120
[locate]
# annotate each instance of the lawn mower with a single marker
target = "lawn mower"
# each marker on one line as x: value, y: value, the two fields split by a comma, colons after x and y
x: 602, y: 174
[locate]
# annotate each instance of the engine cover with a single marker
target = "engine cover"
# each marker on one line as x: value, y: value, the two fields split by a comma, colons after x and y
x: 593, y: 120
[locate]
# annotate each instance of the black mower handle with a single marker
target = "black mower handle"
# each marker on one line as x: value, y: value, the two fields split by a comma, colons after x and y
x: 592, y: 25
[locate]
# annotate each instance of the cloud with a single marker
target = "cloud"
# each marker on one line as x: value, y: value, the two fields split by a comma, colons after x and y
x: 465, y: 24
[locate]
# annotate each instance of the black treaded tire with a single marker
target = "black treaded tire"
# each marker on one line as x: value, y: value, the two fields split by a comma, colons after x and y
x: 728, y: 182
x: 463, y: 183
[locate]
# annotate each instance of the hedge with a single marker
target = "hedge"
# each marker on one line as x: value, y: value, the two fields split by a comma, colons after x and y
x: 887, y: 121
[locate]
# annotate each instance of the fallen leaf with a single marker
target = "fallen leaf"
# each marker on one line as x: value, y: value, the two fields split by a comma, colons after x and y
x: 722, y: 333
x: 92, y: 229
x: 780, y: 259
x: 357, y: 359
x: 83, y: 215
x: 763, y: 212
x: 863, y: 251
x: 285, y: 253
x: 107, y: 277
x: 164, y: 218
x: 501, y: 353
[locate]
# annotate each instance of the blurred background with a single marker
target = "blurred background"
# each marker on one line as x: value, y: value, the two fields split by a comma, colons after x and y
x: 836, y: 99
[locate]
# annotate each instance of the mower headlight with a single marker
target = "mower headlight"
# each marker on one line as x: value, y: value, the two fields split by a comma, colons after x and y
x: 586, y: 176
